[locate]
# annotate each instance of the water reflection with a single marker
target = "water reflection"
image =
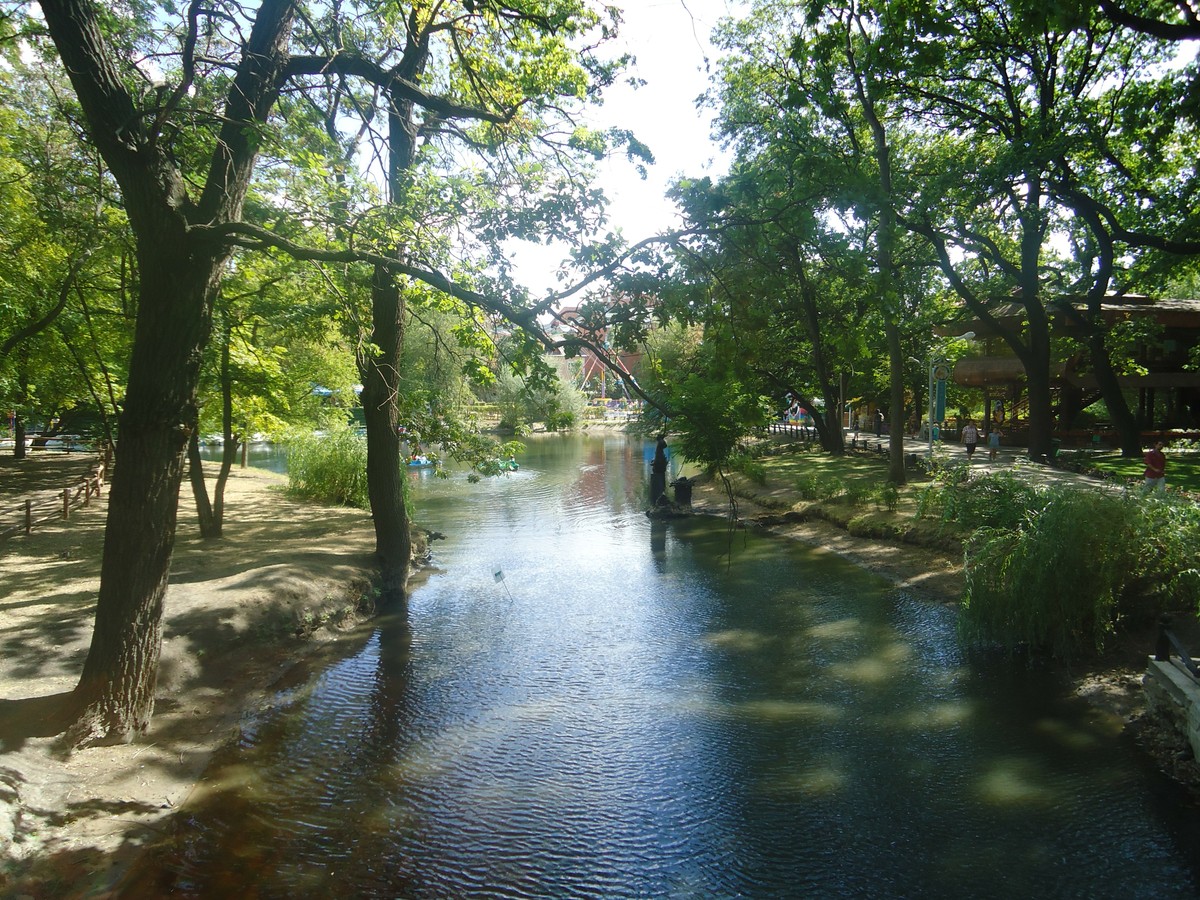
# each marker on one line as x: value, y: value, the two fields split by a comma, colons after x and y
x: 644, y: 714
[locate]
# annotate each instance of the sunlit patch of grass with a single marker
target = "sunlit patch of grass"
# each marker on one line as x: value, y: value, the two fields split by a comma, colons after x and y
x: 1183, y: 467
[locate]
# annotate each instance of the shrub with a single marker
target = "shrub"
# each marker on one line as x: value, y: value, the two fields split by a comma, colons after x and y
x: 830, y: 488
x: 329, y: 468
x: 750, y: 467
x: 999, y: 500
x: 857, y: 493
x: 1079, y: 562
x: 1170, y: 561
x: 931, y: 502
x: 886, y: 495
x: 808, y: 487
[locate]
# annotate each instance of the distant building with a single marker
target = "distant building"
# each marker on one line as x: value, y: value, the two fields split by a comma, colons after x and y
x: 1164, y: 381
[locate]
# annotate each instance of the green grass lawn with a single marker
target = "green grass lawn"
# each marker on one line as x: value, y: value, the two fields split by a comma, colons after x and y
x: 852, y: 490
x: 1183, y: 467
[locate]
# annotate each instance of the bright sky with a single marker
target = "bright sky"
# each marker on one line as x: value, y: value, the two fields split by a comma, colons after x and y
x: 674, y: 58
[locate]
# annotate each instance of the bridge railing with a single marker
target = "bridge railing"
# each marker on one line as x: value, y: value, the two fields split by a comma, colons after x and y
x: 1167, y: 641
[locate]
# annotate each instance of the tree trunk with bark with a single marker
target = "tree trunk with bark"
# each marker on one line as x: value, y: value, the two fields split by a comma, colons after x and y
x: 209, y: 526
x: 116, y: 690
x: 385, y: 477
x: 1114, y: 398
x: 179, y: 275
x: 19, y: 450
x: 897, y: 472
x: 829, y: 432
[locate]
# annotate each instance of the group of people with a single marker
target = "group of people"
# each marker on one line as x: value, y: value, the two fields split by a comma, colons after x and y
x: 970, y: 439
x: 1154, y: 458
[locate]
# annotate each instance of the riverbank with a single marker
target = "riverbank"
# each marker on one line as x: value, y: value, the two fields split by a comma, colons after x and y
x: 282, y: 589
x: 289, y: 582
x: 928, y: 566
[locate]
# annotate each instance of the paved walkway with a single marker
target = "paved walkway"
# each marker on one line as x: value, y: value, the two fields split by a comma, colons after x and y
x: 1008, y: 458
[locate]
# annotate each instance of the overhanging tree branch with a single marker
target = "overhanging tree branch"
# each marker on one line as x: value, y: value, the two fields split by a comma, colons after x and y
x: 397, y: 85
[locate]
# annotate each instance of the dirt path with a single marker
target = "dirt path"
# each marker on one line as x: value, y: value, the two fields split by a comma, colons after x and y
x: 286, y: 579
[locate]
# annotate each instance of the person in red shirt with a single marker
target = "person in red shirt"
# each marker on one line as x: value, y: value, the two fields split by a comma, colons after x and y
x: 1156, y: 468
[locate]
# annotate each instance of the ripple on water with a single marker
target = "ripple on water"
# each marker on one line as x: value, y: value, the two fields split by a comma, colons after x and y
x: 658, y: 711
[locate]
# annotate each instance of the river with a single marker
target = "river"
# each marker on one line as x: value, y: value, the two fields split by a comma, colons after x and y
x: 582, y: 703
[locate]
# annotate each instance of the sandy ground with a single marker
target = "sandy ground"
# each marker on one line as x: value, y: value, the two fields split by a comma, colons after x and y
x: 283, y: 586
x: 285, y: 581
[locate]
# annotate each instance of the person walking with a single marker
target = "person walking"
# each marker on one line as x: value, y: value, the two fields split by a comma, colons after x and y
x: 970, y: 437
x: 993, y: 440
x: 1156, y: 469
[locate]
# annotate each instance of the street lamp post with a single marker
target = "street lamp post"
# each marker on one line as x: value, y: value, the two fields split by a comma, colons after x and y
x: 938, y: 372
x: 934, y: 365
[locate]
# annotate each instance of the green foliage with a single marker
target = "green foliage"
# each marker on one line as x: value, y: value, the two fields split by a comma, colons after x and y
x: 752, y: 468
x: 830, y: 488
x: 857, y: 493
x: 1170, y: 535
x: 712, y: 418
x: 886, y: 495
x: 809, y: 487
x: 501, y: 463
x: 329, y: 468
x: 995, y: 500
x: 536, y: 390
x: 1078, y: 563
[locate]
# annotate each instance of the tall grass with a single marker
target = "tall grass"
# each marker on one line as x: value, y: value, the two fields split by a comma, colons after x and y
x: 997, y: 500
x: 330, y: 468
x: 1076, y: 566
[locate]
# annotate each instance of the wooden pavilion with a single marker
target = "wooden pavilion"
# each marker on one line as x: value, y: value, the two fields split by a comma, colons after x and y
x: 1165, y: 364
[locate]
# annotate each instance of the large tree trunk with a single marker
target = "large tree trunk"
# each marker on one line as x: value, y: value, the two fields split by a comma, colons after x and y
x: 381, y: 371
x: 209, y: 526
x: 1037, y: 374
x: 19, y: 451
x: 385, y: 479
x: 116, y: 689
x: 179, y: 274
x: 830, y: 433
x: 1114, y: 397
x: 896, y: 470
x: 212, y: 513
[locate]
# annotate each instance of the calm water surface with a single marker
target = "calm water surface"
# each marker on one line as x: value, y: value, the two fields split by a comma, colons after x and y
x: 581, y: 703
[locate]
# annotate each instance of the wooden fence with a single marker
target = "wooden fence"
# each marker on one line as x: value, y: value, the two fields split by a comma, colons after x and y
x: 806, y: 433
x: 50, y: 506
